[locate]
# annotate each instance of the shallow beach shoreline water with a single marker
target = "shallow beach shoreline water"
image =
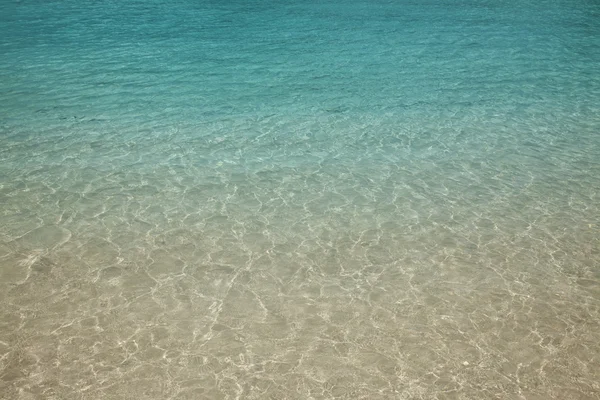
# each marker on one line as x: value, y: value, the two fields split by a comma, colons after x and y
x: 307, y: 200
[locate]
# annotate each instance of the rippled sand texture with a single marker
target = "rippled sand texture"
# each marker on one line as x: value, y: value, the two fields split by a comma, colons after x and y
x: 338, y: 200
x: 453, y: 276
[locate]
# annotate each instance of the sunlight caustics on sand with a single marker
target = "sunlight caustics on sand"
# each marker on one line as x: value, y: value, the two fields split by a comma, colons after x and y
x: 299, y: 200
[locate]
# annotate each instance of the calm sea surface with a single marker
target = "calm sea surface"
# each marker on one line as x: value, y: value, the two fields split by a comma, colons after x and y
x: 337, y: 199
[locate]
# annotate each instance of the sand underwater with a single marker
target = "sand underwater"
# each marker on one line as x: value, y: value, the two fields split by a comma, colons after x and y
x: 299, y: 200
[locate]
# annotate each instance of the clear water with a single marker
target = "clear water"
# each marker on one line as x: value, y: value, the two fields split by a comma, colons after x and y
x: 302, y: 200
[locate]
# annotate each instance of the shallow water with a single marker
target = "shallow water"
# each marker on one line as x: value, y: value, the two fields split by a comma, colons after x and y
x: 342, y: 199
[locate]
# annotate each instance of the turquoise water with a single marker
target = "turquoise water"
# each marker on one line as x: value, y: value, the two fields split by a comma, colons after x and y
x: 310, y: 199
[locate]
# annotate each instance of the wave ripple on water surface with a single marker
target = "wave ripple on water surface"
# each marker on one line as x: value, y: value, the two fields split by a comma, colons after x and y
x: 305, y: 200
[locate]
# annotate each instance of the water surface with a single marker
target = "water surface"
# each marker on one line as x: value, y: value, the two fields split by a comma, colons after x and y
x: 294, y: 200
